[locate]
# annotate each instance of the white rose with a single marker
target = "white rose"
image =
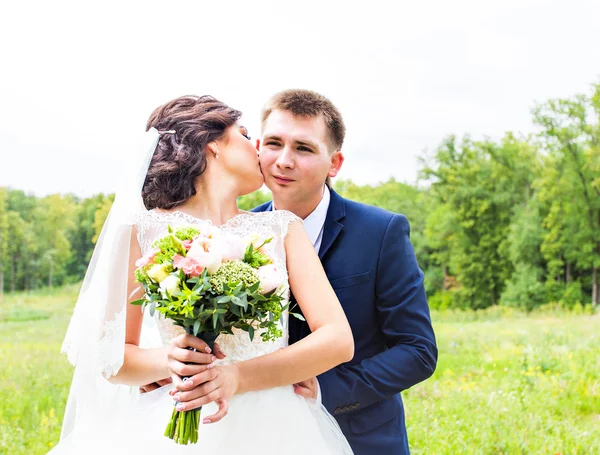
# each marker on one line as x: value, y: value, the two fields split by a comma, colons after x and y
x: 234, y: 248
x: 270, y: 278
x: 170, y: 284
x: 157, y: 273
x: 208, y: 253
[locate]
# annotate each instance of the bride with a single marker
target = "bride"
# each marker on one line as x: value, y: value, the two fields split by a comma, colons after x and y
x: 198, y: 162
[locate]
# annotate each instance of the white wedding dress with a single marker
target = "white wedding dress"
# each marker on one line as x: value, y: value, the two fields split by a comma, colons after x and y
x: 274, y: 421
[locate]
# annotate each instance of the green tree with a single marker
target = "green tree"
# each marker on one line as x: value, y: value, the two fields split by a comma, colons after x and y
x: 477, y: 185
x: 100, y: 216
x: 249, y: 201
x: 570, y: 135
x: 4, y: 237
x: 53, y: 221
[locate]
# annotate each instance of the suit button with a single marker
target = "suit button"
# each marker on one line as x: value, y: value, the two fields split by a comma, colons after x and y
x: 337, y: 411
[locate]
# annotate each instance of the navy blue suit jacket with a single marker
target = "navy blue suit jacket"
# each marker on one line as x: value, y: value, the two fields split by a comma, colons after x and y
x: 370, y: 262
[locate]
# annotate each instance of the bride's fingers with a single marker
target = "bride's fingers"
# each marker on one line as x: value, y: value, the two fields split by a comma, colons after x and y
x: 196, y: 392
x: 222, y: 412
x: 184, y: 370
x: 198, y: 402
x: 209, y: 374
x: 217, y: 352
x: 192, y: 381
x: 187, y: 384
x: 187, y: 356
x: 186, y: 340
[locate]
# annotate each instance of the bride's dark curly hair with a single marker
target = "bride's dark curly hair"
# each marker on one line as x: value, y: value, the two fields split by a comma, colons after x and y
x: 180, y: 158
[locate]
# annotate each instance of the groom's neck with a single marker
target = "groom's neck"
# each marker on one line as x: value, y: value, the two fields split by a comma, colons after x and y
x: 301, y: 206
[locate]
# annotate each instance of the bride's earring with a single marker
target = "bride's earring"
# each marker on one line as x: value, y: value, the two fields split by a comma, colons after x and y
x: 216, y: 152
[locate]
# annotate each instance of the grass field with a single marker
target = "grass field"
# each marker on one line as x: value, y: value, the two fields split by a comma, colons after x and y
x: 505, y: 383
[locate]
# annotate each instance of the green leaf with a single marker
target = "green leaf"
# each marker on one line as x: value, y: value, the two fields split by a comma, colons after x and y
x: 197, y: 326
x: 251, y: 332
x: 215, y: 316
x: 298, y: 316
x: 138, y: 302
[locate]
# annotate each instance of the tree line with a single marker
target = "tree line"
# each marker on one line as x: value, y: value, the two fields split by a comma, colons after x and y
x: 514, y: 221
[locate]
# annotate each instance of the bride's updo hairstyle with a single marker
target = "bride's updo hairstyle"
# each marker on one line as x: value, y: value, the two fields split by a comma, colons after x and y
x: 180, y: 156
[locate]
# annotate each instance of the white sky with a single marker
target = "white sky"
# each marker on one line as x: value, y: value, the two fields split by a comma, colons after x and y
x: 78, y: 79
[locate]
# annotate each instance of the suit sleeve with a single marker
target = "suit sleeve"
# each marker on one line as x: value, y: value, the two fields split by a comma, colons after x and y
x: 405, y: 322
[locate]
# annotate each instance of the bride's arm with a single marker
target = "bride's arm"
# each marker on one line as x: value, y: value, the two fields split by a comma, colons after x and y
x: 145, y: 366
x: 329, y: 344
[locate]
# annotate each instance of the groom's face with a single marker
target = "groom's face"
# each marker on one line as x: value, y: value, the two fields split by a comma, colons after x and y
x: 295, y: 156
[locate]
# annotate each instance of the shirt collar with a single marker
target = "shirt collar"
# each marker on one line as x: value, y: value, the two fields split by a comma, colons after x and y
x: 313, y: 223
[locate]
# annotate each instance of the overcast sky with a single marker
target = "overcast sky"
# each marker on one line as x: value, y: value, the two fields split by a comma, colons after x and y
x: 77, y: 81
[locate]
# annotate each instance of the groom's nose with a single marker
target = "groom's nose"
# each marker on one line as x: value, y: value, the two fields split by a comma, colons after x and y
x: 285, y: 158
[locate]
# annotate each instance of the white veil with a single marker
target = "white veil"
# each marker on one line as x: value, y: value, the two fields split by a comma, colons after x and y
x: 95, y: 340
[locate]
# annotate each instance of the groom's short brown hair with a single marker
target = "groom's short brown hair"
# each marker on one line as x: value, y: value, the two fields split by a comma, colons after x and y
x: 306, y: 103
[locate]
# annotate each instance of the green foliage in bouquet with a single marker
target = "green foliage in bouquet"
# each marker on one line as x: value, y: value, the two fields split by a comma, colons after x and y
x: 234, y: 301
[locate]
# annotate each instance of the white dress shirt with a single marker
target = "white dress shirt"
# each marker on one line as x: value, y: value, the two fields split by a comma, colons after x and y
x: 314, y: 224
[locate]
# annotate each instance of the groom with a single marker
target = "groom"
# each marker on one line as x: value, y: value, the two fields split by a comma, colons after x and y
x: 370, y: 262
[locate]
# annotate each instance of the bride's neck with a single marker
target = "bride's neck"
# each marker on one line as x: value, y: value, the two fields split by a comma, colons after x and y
x: 215, y: 200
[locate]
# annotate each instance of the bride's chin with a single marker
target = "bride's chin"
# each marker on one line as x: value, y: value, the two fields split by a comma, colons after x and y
x: 252, y: 183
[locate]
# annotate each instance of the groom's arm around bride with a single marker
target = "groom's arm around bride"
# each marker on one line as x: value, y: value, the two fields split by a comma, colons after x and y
x: 373, y: 269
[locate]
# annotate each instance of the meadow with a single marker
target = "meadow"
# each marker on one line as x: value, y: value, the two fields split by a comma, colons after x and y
x: 506, y: 382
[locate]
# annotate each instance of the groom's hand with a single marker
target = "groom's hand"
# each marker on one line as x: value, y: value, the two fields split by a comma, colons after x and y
x: 308, y: 388
x: 155, y: 385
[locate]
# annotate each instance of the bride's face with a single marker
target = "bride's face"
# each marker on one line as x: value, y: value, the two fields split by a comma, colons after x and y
x: 239, y: 158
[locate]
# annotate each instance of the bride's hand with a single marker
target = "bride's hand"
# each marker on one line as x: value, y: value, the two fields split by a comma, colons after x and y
x: 217, y: 384
x: 183, y: 362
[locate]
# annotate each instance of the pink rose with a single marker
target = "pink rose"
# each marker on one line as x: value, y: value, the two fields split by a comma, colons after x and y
x: 270, y: 278
x: 187, y: 244
x: 207, y: 252
x: 147, y: 259
x: 189, y: 265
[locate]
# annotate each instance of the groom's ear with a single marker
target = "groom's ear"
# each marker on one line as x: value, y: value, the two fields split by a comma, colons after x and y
x: 337, y: 159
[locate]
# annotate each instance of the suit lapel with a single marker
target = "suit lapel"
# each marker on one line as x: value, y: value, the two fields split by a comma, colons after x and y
x: 333, y: 222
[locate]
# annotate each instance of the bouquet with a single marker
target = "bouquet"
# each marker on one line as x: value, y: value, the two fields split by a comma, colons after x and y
x: 209, y: 282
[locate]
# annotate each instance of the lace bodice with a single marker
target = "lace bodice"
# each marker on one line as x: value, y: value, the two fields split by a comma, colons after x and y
x: 153, y: 224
